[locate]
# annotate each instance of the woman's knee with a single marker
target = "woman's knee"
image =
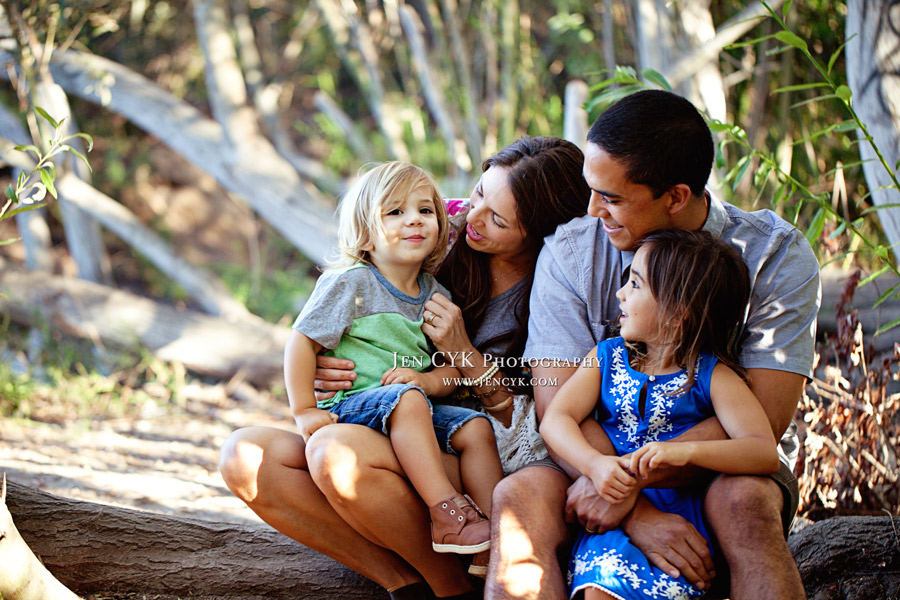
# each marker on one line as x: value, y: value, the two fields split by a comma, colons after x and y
x: 336, y: 461
x: 240, y: 459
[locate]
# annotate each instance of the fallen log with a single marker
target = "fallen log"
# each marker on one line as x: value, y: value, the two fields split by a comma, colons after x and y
x: 204, y: 344
x: 849, y: 558
x: 95, y: 548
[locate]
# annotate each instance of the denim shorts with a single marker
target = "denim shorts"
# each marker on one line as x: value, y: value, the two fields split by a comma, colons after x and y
x: 373, y: 409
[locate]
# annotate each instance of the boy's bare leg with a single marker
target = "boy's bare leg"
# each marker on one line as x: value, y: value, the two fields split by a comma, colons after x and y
x: 416, y: 447
x: 527, y: 532
x: 745, y: 515
x: 266, y: 468
x: 479, y: 463
x: 356, y: 469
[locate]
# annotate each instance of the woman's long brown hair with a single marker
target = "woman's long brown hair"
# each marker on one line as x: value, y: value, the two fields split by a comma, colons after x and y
x: 545, y: 177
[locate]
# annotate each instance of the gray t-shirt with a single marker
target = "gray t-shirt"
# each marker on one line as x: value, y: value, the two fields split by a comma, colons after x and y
x: 579, y: 271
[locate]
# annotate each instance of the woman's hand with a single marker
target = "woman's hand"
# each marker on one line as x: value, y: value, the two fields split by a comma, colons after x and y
x: 332, y: 374
x: 444, y: 325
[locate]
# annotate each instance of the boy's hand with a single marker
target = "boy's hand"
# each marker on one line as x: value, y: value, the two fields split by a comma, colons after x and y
x: 311, y: 420
x: 611, y: 478
x: 404, y: 375
x: 657, y: 454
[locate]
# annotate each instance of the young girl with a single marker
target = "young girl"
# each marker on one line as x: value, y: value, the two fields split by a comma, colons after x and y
x: 392, y: 230
x: 672, y: 367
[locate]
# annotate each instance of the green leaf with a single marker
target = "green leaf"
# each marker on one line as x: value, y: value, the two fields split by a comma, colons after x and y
x: 47, y: 180
x: 28, y: 148
x: 800, y: 86
x: 844, y: 93
x: 741, y: 172
x: 20, y: 182
x: 785, y: 9
x: 6, y: 243
x: 762, y: 174
x: 841, y: 228
x: 24, y: 208
x: 888, y: 326
x: 11, y: 193
x: 82, y: 157
x: 791, y: 39
x: 720, y: 156
x: 888, y: 294
x: 815, y: 228
x: 837, y: 53
x: 86, y: 138
x: 656, y: 78
x: 43, y: 113
x: 873, y: 277
x: 748, y: 42
x: 844, y: 126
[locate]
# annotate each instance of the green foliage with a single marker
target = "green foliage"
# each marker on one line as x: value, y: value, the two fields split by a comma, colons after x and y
x: 31, y: 188
x: 795, y: 190
x: 61, y: 378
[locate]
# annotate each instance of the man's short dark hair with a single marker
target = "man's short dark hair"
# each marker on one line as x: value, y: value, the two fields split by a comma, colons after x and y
x: 660, y: 137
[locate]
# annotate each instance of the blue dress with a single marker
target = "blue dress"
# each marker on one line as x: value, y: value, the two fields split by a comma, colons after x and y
x: 609, y: 561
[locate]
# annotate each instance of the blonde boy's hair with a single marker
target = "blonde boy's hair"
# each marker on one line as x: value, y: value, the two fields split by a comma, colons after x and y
x: 374, y: 193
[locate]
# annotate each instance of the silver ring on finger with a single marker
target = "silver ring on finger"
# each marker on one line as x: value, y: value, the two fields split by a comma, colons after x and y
x: 589, y: 530
x: 430, y: 318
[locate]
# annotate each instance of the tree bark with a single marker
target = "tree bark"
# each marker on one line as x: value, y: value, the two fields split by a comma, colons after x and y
x: 97, y: 548
x: 849, y: 558
x: 873, y: 61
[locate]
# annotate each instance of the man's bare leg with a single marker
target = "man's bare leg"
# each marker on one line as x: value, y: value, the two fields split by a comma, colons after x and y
x: 266, y: 468
x: 528, y: 530
x: 745, y: 515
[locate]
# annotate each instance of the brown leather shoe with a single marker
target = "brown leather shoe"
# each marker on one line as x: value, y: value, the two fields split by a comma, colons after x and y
x: 458, y: 526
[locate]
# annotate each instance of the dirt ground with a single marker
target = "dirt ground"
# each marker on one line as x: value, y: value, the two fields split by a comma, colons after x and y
x: 164, y: 460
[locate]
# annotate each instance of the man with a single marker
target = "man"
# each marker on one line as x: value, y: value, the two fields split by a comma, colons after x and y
x: 647, y: 161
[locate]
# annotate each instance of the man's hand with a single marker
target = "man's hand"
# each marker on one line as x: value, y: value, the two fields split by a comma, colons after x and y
x: 311, y: 420
x: 332, y: 374
x: 671, y: 543
x: 584, y: 505
x: 610, y: 477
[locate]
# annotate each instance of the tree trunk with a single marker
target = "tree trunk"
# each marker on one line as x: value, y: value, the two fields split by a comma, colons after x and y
x: 97, y: 548
x: 849, y: 558
x: 873, y: 60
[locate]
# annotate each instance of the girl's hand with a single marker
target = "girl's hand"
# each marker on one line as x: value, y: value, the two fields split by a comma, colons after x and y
x: 311, y: 420
x: 659, y: 454
x: 444, y: 325
x: 613, y: 482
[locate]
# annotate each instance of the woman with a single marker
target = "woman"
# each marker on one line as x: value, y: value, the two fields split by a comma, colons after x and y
x: 346, y: 495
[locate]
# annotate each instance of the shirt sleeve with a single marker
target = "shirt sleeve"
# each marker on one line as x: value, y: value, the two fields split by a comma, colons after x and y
x: 330, y: 310
x: 781, y: 324
x: 559, y: 325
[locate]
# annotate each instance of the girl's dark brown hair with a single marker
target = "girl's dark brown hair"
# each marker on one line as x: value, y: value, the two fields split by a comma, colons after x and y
x: 545, y: 177
x: 701, y: 283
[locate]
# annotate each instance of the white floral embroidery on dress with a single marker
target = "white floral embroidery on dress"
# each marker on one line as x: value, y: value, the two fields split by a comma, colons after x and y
x: 670, y: 589
x: 610, y: 563
x: 624, y: 390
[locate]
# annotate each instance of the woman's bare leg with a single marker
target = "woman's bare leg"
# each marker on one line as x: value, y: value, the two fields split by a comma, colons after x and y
x: 357, y: 470
x: 266, y: 468
x: 479, y: 462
